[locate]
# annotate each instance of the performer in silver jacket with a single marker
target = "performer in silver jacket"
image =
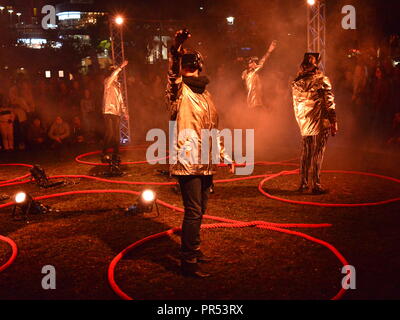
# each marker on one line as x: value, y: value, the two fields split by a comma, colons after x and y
x: 251, y: 77
x: 314, y: 109
x: 113, y: 109
x: 192, y: 108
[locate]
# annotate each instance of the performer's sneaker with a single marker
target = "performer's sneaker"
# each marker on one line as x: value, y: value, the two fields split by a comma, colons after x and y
x: 319, y: 190
x: 192, y: 270
x: 303, y: 188
x: 212, y: 189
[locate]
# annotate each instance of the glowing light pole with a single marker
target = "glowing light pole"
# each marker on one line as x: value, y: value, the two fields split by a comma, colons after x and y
x: 10, y: 11
x: 230, y: 20
x: 118, y: 56
x: 19, y: 16
x: 316, y: 22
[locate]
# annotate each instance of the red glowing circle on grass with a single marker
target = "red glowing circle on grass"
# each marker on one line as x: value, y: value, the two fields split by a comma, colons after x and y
x: 234, y: 224
x: 13, y: 255
x: 319, y: 204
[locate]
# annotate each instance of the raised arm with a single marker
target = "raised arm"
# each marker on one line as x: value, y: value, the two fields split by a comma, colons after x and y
x: 271, y: 48
x: 114, y: 75
x: 174, y: 86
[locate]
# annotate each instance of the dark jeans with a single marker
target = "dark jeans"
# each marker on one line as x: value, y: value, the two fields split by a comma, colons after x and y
x: 195, y: 190
x: 112, y: 132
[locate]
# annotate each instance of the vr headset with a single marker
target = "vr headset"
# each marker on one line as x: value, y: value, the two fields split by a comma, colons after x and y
x: 192, y: 60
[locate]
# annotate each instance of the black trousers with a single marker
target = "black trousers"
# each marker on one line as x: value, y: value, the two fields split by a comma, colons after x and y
x: 313, y: 149
x: 195, y: 191
x: 112, y: 132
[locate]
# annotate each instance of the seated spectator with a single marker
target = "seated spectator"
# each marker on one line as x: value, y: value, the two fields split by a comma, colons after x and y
x: 59, y: 133
x: 6, y: 126
x: 88, y: 112
x: 77, y: 131
x: 395, y: 134
x: 36, y: 134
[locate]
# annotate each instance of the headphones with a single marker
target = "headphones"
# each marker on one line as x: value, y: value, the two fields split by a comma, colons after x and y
x: 192, y: 60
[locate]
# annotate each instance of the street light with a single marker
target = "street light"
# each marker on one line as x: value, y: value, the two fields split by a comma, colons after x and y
x: 19, y: 16
x: 2, y: 8
x: 230, y: 20
x: 119, y: 20
x: 311, y: 2
x: 10, y: 11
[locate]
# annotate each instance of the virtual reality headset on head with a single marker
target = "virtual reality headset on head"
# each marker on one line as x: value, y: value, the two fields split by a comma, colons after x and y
x: 192, y: 60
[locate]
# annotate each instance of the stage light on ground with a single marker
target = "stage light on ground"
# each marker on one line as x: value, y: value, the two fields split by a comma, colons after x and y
x: 119, y: 20
x: 144, y: 203
x: 114, y: 165
x: 148, y: 196
x: 311, y: 2
x: 41, y: 179
x: 25, y: 205
x: 20, y: 197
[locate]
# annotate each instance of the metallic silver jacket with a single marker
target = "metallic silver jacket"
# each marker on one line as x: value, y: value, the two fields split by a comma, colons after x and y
x: 113, y: 102
x: 254, y: 88
x: 253, y: 84
x: 313, y: 102
x: 192, y: 113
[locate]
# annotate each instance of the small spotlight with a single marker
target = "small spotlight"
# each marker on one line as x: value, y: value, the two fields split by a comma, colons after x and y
x: 119, y: 20
x: 148, y: 196
x: 114, y: 165
x: 144, y: 203
x: 311, y: 2
x: 41, y: 179
x: 25, y: 204
x: 20, y: 197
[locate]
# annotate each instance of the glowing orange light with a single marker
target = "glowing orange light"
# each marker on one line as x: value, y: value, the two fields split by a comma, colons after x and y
x: 311, y: 2
x: 119, y: 20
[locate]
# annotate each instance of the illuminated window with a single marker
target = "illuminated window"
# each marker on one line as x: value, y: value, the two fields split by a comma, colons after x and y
x: 69, y: 15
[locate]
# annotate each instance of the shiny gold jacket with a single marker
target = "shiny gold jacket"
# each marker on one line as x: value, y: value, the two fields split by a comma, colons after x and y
x: 192, y: 113
x: 113, y: 102
x: 313, y: 102
x: 253, y: 87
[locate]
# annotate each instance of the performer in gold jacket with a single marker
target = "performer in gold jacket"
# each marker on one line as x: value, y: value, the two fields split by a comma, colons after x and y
x: 314, y: 109
x: 192, y: 108
x: 251, y: 77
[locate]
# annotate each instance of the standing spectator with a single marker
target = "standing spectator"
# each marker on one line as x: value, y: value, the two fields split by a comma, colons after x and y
x: 380, y: 102
x: 88, y: 112
x: 394, y: 138
x: 20, y: 126
x: 6, y: 126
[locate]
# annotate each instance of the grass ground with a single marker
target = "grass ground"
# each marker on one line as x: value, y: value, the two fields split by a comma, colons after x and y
x: 83, y: 233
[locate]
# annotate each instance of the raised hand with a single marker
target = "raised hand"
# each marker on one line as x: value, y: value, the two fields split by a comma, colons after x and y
x: 272, y: 46
x: 181, y: 36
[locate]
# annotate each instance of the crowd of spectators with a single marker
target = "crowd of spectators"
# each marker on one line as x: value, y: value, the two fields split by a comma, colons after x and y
x: 46, y: 114
x: 372, y: 79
